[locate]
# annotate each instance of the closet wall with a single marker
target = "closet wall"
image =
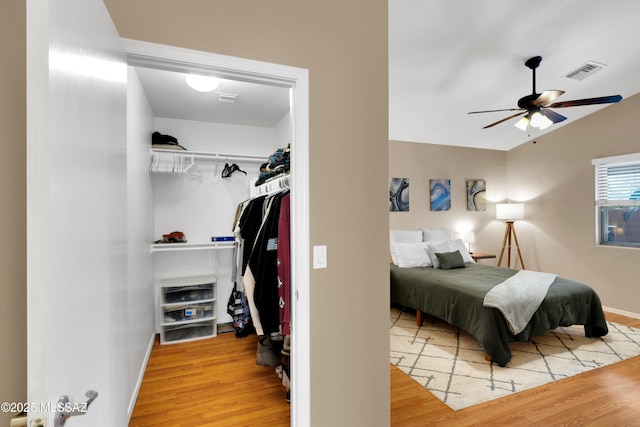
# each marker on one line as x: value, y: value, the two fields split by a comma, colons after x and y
x: 138, y: 304
x: 205, y: 206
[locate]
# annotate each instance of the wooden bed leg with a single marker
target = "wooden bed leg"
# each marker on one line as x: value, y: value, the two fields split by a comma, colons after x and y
x: 419, y: 318
x: 487, y: 357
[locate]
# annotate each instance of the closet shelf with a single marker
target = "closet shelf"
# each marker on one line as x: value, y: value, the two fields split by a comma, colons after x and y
x: 199, y: 246
x: 212, y: 156
x: 180, y: 161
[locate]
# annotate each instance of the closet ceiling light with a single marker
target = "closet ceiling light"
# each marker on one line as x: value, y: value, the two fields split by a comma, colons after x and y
x: 202, y: 83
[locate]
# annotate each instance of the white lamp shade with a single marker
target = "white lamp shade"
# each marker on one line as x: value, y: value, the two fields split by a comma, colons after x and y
x: 469, y: 237
x: 509, y: 211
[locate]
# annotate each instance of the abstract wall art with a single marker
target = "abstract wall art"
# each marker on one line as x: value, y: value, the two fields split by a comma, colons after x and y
x: 440, y: 194
x: 476, y: 195
x: 398, y: 194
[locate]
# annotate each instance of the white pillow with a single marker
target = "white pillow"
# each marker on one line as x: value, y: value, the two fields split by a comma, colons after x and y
x: 458, y: 245
x: 440, y: 246
x: 435, y: 234
x: 443, y: 246
x: 405, y: 236
x: 408, y: 255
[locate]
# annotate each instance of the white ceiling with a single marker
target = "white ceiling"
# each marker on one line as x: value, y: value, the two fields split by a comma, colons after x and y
x: 170, y: 97
x: 449, y: 57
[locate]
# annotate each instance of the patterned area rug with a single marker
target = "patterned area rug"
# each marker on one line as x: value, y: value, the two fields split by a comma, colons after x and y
x: 449, y: 364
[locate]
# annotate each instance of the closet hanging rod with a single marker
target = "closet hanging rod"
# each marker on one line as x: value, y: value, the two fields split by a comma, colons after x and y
x: 275, y: 185
x: 213, y: 156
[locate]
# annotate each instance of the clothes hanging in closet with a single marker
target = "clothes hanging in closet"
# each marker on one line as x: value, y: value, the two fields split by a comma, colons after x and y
x: 249, y: 225
x: 246, y: 230
x: 263, y: 263
x: 284, y: 266
x: 259, y: 228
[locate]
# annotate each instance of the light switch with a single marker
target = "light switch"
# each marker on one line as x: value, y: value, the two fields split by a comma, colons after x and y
x: 320, y: 257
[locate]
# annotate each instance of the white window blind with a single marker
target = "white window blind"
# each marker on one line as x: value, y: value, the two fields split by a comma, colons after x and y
x: 618, y: 180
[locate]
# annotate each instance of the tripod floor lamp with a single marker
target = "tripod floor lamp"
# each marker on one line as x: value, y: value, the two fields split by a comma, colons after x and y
x: 510, y: 212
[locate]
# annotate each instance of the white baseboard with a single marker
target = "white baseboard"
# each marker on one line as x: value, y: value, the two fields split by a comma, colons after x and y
x: 622, y: 312
x: 134, y: 397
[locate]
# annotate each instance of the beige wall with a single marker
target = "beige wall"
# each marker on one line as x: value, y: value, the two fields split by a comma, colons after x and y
x: 344, y: 46
x: 555, y: 178
x: 422, y: 162
x: 13, y: 268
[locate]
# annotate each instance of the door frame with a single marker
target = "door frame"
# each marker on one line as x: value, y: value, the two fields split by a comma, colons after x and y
x: 170, y: 58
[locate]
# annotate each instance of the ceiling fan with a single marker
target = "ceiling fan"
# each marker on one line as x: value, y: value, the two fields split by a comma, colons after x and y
x: 536, y: 106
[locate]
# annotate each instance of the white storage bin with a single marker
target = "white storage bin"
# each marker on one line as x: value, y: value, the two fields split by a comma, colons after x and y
x: 188, y: 309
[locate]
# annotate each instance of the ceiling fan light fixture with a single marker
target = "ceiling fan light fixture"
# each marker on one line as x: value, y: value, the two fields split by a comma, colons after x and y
x: 544, y: 123
x: 536, y: 119
x: 202, y: 83
x: 522, y: 124
x: 540, y: 121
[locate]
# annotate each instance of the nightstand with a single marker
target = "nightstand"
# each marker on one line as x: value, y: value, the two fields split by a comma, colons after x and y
x: 479, y: 255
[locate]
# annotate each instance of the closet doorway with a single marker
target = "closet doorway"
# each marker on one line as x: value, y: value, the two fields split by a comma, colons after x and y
x: 149, y: 59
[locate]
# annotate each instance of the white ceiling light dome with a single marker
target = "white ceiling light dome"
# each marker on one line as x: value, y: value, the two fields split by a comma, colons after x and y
x: 202, y: 83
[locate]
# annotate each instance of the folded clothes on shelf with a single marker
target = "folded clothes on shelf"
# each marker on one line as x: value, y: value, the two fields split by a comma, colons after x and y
x: 166, y: 142
x: 173, y: 237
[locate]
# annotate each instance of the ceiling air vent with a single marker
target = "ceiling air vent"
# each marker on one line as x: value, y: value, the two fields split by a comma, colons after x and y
x: 585, y: 71
x: 228, y: 98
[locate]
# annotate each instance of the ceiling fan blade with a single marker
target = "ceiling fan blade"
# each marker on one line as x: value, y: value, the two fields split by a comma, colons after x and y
x: 553, y: 116
x: 546, y: 97
x: 505, y: 119
x: 496, y: 111
x: 587, y: 101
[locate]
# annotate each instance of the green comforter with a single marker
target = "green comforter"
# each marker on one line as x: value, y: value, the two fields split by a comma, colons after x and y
x: 456, y: 296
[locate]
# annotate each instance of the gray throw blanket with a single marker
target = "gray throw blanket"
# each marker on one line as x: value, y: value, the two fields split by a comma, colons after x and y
x: 519, y: 296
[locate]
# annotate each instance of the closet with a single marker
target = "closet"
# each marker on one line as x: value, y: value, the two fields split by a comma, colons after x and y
x: 197, y: 186
x: 202, y: 206
x: 292, y: 125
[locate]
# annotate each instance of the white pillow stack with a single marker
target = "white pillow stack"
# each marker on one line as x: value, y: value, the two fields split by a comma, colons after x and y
x: 417, y: 248
x: 408, y: 255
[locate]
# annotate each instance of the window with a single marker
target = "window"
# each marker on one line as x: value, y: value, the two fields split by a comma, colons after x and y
x: 618, y: 200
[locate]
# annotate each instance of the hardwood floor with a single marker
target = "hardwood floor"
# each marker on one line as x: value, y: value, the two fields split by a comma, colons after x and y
x: 609, y: 396
x: 212, y: 382
x: 215, y: 382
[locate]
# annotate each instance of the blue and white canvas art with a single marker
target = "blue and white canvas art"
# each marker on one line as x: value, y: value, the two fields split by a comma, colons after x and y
x: 440, y: 194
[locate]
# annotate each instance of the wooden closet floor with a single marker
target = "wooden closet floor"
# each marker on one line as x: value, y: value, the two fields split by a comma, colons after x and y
x: 211, y: 382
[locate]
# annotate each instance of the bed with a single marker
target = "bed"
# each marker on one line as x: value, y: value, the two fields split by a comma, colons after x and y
x: 457, y: 295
